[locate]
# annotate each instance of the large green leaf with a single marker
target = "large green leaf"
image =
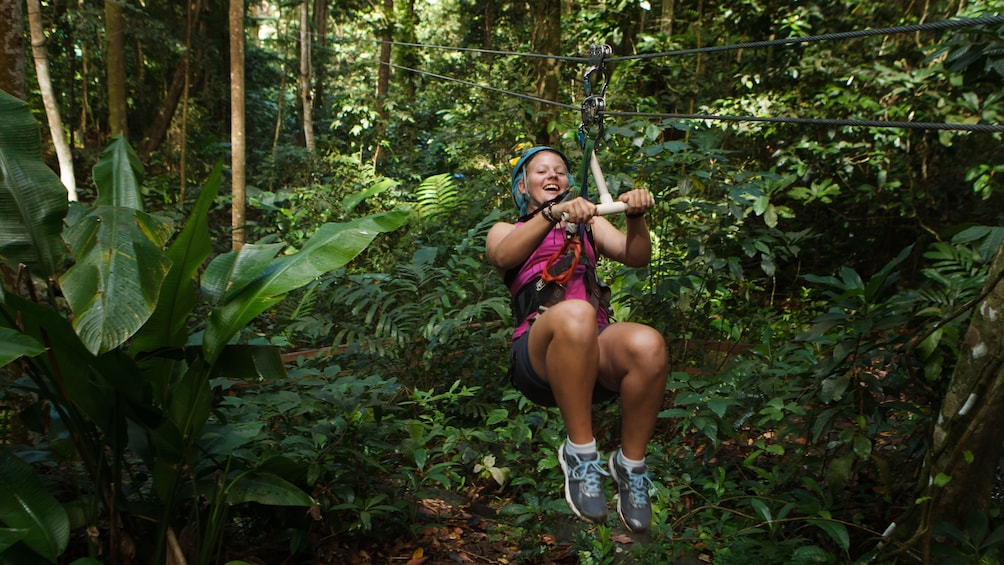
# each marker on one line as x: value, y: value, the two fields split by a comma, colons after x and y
x: 14, y: 345
x: 26, y: 505
x: 350, y: 202
x: 10, y: 536
x: 190, y: 249
x: 32, y: 200
x: 118, y: 175
x: 245, y: 297
x: 266, y: 488
x: 115, y: 284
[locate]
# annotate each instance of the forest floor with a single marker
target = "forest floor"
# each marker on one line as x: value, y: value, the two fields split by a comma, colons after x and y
x: 458, y: 532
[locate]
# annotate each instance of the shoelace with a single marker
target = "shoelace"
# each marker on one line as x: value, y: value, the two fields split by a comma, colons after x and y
x: 638, y: 485
x: 590, y: 480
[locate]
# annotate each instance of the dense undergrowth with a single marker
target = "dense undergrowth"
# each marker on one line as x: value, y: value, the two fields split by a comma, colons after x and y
x: 795, y: 437
x: 794, y: 430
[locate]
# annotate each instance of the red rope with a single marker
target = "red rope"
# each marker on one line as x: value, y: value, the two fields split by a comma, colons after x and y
x: 575, y: 245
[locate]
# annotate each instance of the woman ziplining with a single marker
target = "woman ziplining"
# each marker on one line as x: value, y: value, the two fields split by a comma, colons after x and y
x: 567, y: 352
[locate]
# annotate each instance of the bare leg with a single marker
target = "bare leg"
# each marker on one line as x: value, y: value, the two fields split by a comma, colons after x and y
x: 564, y: 351
x: 633, y: 362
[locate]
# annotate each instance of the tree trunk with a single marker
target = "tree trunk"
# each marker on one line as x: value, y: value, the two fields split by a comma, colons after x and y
x: 305, y: 91
x: 546, y: 39
x: 666, y: 21
x: 961, y: 466
x: 383, y: 78
x: 321, y: 41
x: 190, y: 16
x: 12, y: 48
x: 115, y: 68
x: 489, y: 30
x: 157, y: 130
x: 41, y: 54
x: 237, y: 127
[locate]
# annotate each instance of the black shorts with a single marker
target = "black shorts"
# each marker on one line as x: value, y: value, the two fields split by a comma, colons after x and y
x: 535, y: 389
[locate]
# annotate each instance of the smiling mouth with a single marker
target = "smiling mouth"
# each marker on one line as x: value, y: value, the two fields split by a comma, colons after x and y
x: 552, y: 188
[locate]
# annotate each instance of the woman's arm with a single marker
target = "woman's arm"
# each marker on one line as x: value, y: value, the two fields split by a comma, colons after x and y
x: 508, y: 245
x: 633, y: 248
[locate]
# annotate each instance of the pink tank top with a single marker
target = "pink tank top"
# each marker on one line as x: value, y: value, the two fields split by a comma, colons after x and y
x: 534, y: 266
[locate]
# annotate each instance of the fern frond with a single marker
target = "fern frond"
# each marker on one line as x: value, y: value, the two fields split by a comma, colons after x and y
x: 437, y: 196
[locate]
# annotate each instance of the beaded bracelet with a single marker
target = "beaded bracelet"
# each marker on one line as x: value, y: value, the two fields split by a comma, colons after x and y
x: 548, y: 213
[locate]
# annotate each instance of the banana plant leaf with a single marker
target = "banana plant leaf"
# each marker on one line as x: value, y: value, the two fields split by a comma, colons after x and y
x: 32, y: 200
x: 26, y: 505
x: 118, y: 175
x: 167, y: 326
x: 252, y: 280
x: 114, y: 286
x: 14, y: 345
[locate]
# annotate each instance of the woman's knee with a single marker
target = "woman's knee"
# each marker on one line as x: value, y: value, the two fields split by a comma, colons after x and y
x: 646, y: 350
x: 573, y: 317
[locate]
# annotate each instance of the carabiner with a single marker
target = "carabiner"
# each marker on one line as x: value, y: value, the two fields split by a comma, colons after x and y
x: 594, y: 105
x: 597, y: 54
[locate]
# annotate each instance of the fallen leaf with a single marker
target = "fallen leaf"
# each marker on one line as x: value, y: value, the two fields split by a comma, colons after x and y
x: 622, y: 538
x: 417, y: 557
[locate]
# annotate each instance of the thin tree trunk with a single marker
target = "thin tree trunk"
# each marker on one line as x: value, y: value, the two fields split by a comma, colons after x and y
x: 186, y: 61
x: 666, y: 21
x: 489, y: 30
x: 305, y: 92
x: 546, y: 39
x: 115, y: 71
x: 157, y: 130
x: 383, y: 78
x: 41, y: 56
x: 177, y: 93
x: 86, y: 114
x: 320, y: 40
x: 279, y: 104
x: 237, y: 127
x: 12, y: 48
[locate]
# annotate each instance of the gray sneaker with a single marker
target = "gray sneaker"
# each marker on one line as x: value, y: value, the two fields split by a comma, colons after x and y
x: 633, y: 504
x: 583, y: 488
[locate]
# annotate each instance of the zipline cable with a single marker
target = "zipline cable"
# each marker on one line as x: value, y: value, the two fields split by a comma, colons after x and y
x: 930, y: 26
x: 939, y: 126
x: 894, y: 30
x: 993, y: 128
x: 476, y: 50
x: 483, y: 87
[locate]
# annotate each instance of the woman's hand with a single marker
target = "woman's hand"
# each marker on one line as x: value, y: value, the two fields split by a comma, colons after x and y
x: 638, y: 201
x: 577, y: 211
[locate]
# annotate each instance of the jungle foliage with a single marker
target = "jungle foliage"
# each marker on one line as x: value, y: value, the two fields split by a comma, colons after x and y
x: 302, y: 398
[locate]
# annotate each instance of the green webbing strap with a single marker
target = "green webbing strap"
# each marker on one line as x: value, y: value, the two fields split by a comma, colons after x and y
x: 587, y: 144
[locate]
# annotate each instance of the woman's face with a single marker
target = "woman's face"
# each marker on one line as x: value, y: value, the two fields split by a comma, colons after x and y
x: 546, y: 177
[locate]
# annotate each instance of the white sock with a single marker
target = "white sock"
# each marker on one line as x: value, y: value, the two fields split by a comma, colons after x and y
x: 581, y: 448
x: 629, y: 463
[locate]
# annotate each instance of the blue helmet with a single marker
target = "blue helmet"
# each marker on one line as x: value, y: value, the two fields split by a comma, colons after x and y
x: 519, y: 171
